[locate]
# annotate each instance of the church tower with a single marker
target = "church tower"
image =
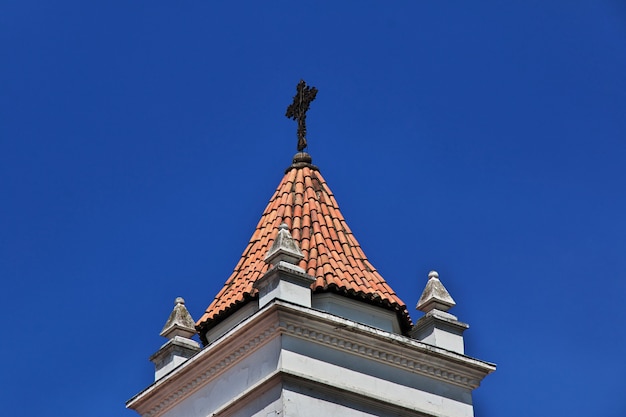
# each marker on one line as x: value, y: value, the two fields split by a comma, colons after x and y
x: 306, y: 326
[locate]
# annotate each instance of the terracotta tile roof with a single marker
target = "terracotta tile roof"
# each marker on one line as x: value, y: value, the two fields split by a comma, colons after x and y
x: 331, y: 253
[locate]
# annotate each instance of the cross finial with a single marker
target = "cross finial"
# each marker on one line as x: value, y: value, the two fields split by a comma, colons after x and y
x: 297, y: 110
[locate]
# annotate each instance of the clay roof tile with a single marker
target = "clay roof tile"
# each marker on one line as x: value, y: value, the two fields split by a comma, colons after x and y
x: 333, y: 256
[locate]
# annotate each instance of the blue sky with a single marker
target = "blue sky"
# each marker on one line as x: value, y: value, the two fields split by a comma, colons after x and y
x: 140, y: 142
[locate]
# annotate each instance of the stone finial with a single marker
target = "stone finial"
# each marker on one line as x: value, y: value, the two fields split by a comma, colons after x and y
x: 180, y: 322
x: 438, y: 327
x: 179, y: 329
x: 285, y: 280
x: 284, y: 248
x: 435, y: 295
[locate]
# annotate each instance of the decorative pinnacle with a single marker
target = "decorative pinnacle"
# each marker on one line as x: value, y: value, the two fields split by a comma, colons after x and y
x: 284, y: 248
x: 435, y: 295
x: 297, y: 110
x: 180, y: 322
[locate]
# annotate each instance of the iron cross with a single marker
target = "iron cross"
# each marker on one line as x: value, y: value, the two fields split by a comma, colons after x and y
x: 297, y: 110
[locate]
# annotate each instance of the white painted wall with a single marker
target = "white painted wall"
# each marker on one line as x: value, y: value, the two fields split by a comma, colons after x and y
x: 230, y: 384
x: 356, y: 310
x: 287, y: 360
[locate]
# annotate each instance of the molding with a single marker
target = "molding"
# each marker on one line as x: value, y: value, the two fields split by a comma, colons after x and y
x: 278, y: 318
x: 406, y: 353
x: 189, y: 377
x: 177, y: 344
x: 213, y: 371
x: 383, y: 355
x: 438, y: 316
x: 286, y: 272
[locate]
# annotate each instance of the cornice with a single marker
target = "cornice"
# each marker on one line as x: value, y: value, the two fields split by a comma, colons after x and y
x: 192, y: 375
x: 467, y: 374
x: 278, y: 318
x: 380, y: 345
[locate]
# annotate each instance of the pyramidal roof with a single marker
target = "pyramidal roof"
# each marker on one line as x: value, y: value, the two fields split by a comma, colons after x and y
x: 332, y: 254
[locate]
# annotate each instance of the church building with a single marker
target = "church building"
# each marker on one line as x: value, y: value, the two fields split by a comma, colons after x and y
x: 306, y: 326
